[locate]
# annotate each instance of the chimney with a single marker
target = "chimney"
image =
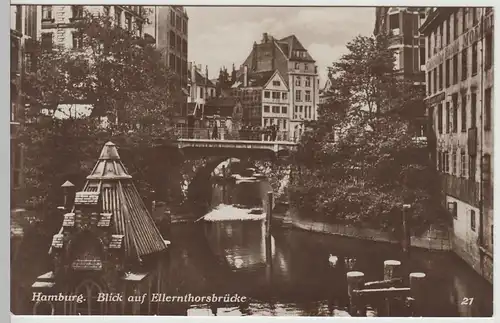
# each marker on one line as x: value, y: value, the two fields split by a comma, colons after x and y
x: 245, y: 76
x: 192, y: 69
x: 264, y: 38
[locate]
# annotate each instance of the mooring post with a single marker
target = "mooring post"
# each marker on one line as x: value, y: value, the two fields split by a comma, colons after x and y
x: 417, y: 292
x: 406, y: 242
x: 355, y: 281
x: 269, y: 213
x: 224, y: 184
x: 391, y: 269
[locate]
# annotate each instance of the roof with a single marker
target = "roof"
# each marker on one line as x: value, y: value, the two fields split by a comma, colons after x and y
x: 123, y: 212
x: 202, y: 80
x: 290, y: 44
x: 256, y: 79
x: 121, y: 202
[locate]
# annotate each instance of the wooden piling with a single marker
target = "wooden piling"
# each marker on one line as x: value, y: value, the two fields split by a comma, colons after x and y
x: 406, y: 242
x: 417, y: 291
x: 224, y: 184
x: 391, y: 269
x: 269, y: 213
x: 355, y: 281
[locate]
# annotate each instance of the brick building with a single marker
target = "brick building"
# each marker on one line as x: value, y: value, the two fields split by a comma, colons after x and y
x: 459, y: 77
x: 402, y: 25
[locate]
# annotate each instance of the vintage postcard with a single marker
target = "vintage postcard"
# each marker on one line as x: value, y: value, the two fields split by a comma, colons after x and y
x: 178, y: 160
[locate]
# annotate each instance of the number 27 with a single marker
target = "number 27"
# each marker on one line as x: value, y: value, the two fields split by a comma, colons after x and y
x: 467, y: 301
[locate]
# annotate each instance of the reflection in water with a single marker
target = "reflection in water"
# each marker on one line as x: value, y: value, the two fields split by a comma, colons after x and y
x: 302, y: 280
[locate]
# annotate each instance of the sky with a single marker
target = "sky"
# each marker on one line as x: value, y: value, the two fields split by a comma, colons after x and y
x: 221, y: 36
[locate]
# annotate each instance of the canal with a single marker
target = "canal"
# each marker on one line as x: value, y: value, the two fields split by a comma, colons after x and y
x: 301, y: 280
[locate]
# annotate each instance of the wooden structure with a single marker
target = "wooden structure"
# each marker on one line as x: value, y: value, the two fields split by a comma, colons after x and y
x: 108, y: 244
x: 389, y: 297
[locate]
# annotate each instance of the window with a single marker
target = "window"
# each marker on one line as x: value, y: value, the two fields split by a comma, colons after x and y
x: 434, y: 83
x: 284, y: 124
x: 473, y: 220
x: 184, y: 26
x: 463, y: 165
x: 488, y: 55
x: 77, y: 40
x: 440, y: 118
x: 455, y: 112
x: 265, y: 120
x: 464, y: 113
x: 394, y: 23
x: 440, y: 77
x: 464, y: 19
x: 172, y: 39
x: 440, y: 161
x: 435, y: 42
x: 397, y: 60
x: 178, y: 22
x: 172, y: 62
x: 184, y: 47
x: 276, y: 83
x: 453, y: 163
x: 178, y: 43
x: 464, y: 64
x: 447, y: 72
x: 487, y: 109
x: 47, y: 13
x: 472, y: 168
x: 422, y: 55
x: 118, y: 17
x: 172, y: 17
x: 201, y: 93
x: 455, y: 69
x: 77, y: 12
x: 448, y: 119
x: 297, y: 80
x: 284, y: 109
x: 429, y: 83
x: 276, y: 109
x: 267, y: 94
x: 297, y: 66
x: 487, y: 168
x: 128, y: 21
x: 308, y: 81
x: 276, y: 95
x: 308, y: 96
x: 474, y: 58
x: 455, y: 25
x: 448, y: 31
x: 47, y: 41
x: 441, y: 37
x: 90, y: 290
x: 306, y: 67
x: 284, y: 96
x: 266, y: 109
x: 298, y: 95
x: 473, y: 110
x: 446, y: 162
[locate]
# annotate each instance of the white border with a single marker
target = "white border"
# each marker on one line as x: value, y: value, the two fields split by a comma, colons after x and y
x: 5, y: 164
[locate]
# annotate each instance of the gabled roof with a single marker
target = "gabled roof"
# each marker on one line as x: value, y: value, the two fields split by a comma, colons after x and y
x: 290, y: 44
x: 277, y: 72
x: 256, y: 79
x: 121, y: 202
x: 200, y: 79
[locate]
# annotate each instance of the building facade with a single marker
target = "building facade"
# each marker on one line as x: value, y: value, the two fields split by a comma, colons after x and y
x: 298, y: 70
x: 168, y: 25
x: 23, y: 33
x: 459, y: 78
x: 408, y: 45
x: 57, y: 23
x: 275, y: 104
x: 200, y: 89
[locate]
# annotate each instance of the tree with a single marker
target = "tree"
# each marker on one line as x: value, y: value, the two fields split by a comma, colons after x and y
x: 359, y: 162
x: 123, y: 79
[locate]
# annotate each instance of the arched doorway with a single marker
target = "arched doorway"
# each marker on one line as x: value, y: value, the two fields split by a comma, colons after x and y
x: 90, y: 306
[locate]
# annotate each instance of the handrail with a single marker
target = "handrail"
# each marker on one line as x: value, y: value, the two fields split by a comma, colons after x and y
x: 236, y: 135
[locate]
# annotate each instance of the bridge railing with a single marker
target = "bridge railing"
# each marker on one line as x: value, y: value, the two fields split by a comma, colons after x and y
x: 242, y: 134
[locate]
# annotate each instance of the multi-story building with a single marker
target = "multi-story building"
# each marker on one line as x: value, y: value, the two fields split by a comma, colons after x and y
x: 459, y: 102
x: 200, y: 89
x: 298, y: 70
x: 57, y: 23
x: 402, y: 25
x: 23, y: 32
x: 168, y: 25
x: 275, y: 103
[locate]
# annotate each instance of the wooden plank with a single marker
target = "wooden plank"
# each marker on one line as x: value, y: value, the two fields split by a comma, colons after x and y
x: 392, y: 291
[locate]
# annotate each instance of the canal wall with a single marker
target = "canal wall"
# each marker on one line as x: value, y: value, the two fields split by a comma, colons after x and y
x: 433, y: 239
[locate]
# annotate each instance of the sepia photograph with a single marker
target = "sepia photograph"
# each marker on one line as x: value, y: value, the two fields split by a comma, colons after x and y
x: 245, y: 160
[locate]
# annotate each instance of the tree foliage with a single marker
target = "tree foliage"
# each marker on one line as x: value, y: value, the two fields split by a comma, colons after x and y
x: 359, y: 162
x: 124, y: 80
